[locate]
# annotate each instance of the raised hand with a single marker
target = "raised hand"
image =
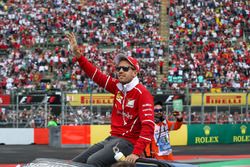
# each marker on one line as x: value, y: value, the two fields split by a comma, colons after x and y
x: 178, y: 115
x: 73, y: 44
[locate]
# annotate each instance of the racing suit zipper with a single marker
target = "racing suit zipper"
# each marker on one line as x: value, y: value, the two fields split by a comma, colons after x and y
x: 123, y: 108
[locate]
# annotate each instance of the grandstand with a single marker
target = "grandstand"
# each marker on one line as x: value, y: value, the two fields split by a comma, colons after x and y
x: 184, y: 47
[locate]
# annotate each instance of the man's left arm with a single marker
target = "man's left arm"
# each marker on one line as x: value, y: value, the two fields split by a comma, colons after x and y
x: 146, y: 115
x: 177, y: 124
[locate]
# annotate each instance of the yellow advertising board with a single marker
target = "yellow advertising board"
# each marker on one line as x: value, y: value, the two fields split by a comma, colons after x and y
x: 179, y: 137
x: 219, y: 99
x: 99, y: 133
x: 88, y: 99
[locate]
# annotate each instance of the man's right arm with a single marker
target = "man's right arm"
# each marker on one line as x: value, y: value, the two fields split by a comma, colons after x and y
x: 73, y: 44
x: 95, y: 74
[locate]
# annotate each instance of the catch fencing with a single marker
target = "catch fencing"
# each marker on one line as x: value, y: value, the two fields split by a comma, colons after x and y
x: 35, y: 109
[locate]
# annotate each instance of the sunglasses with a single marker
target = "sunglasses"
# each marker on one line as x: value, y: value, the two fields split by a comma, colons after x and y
x: 124, y: 68
x: 158, y: 110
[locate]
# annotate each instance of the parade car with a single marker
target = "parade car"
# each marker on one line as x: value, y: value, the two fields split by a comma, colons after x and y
x: 141, y: 162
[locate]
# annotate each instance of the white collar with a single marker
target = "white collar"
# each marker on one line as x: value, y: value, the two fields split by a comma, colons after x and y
x: 129, y: 86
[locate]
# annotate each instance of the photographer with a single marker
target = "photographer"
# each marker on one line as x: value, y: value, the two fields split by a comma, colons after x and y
x: 160, y: 147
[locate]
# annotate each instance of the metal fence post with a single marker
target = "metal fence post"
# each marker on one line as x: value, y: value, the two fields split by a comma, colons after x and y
x: 216, y: 112
x: 188, y: 102
x: 202, y: 107
x: 62, y: 106
x: 189, y: 114
x: 17, y: 109
x: 247, y: 112
x: 167, y: 110
x: 46, y: 112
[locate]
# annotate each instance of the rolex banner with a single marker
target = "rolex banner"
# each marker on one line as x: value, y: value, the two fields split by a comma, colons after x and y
x: 218, y: 134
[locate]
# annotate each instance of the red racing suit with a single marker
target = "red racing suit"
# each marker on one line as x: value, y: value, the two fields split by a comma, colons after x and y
x: 132, y: 115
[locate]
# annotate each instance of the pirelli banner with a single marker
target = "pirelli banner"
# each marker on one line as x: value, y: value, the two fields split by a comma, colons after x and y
x: 220, y: 99
x: 218, y: 134
x: 107, y: 99
x: 90, y: 99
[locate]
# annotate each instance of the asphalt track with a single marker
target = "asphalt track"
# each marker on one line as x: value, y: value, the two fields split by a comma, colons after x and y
x: 19, y: 154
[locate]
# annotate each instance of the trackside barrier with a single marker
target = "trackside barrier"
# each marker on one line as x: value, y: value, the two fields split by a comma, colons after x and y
x: 55, y: 136
x: 83, y: 136
x: 218, y: 134
x: 98, y: 133
x: 41, y: 136
x: 179, y: 137
x: 86, y: 135
x: 16, y: 136
x: 69, y: 136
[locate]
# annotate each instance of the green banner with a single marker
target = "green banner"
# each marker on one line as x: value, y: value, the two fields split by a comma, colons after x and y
x: 239, y: 133
x: 178, y: 105
x: 218, y: 134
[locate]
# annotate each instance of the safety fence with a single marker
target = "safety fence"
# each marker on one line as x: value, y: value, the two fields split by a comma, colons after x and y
x: 34, y: 110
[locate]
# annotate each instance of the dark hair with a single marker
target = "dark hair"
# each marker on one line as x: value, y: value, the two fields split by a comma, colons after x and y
x: 158, y: 103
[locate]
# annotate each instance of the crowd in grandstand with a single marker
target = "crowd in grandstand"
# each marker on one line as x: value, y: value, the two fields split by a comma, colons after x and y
x: 206, y: 43
x: 206, y: 47
x: 27, y: 24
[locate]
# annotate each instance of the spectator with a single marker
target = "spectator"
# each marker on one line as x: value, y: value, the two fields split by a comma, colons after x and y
x: 52, y: 121
x: 160, y: 147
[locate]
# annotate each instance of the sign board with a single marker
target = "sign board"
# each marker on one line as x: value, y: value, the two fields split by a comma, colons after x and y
x: 178, y: 105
